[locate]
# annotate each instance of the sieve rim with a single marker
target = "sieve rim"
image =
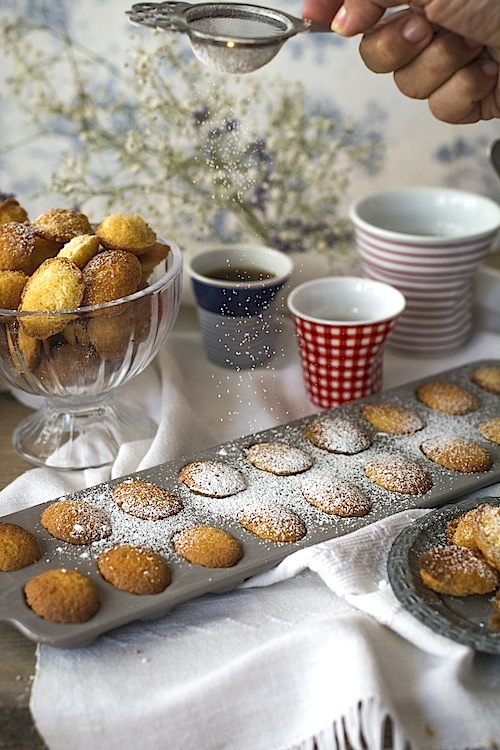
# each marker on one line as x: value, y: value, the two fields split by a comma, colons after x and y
x: 179, y: 16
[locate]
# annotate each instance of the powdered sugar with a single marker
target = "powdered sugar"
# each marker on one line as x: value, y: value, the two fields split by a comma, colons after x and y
x: 338, y: 435
x: 279, y: 458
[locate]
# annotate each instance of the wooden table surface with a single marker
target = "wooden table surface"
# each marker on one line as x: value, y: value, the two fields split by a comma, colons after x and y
x: 17, y: 653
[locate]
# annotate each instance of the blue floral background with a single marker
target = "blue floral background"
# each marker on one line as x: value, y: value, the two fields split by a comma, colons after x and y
x: 401, y: 142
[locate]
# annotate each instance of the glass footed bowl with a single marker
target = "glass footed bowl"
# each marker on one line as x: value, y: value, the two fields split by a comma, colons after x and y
x: 81, y: 423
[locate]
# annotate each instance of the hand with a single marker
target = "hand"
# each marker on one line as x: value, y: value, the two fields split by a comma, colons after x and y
x: 445, y: 52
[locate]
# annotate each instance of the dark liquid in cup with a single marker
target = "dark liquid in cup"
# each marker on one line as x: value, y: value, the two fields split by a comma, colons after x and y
x: 233, y: 274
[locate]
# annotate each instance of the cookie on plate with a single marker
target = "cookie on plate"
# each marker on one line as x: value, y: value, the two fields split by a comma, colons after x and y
x: 449, y: 398
x: 134, y: 569
x: 62, y: 595
x: 457, y: 454
x: 208, y: 546
x: 278, y: 458
x: 393, y: 418
x: 462, y: 530
x: 145, y: 500
x: 212, y: 478
x: 18, y: 547
x: 75, y: 521
x: 396, y: 473
x: 333, y: 495
x: 337, y: 435
x: 272, y: 522
x: 487, y: 532
x: 456, y: 571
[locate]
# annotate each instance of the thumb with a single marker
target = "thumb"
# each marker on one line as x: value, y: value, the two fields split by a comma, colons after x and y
x: 357, y: 16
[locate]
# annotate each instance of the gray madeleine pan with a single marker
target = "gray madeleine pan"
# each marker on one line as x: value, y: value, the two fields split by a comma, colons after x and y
x: 190, y: 581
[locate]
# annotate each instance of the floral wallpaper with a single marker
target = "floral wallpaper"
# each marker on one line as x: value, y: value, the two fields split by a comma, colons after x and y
x: 99, y: 114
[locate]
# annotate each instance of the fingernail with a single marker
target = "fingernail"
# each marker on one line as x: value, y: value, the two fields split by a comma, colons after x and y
x: 415, y: 30
x: 338, y: 23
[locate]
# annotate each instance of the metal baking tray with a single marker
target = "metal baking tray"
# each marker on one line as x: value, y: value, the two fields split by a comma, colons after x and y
x: 190, y: 581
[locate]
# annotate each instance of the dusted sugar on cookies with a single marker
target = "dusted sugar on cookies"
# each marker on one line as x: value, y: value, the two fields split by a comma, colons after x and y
x: 392, y: 418
x: 208, y: 546
x: 57, y: 284
x: 487, y: 377
x: 145, y: 500
x: 487, y: 532
x: 462, y: 530
x: 61, y: 224
x: 397, y: 473
x: 212, y: 478
x: 491, y: 429
x: 272, y: 522
x: 337, y: 435
x: 75, y: 522
x: 18, y: 547
x: 333, y: 495
x: 109, y: 276
x: 278, y: 458
x: 456, y: 571
x: 134, y: 569
x: 447, y: 397
x: 17, y: 245
x: 457, y: 454
x: 63, y: 596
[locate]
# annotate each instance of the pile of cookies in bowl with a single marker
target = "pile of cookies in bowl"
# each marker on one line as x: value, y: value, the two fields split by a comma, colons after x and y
x: 83, y: 308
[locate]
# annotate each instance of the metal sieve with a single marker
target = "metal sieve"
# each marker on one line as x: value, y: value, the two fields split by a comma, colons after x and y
x: 227, y: 37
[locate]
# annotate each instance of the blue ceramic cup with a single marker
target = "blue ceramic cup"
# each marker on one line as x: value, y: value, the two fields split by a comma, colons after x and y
x: 235, y: 290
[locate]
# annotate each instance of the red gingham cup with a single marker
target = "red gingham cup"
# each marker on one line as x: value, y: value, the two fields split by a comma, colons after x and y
x: 342, y: 323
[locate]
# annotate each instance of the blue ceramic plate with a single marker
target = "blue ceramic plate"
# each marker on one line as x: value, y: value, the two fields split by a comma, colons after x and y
x: 463, y: 619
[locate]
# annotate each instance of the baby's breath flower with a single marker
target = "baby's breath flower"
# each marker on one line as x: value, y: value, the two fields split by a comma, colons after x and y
x: 198, y: 157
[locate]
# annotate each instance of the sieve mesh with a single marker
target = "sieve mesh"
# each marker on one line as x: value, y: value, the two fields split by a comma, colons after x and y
x: 231, y: 22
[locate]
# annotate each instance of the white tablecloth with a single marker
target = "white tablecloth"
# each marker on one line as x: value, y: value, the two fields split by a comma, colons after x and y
x: 315, y: 653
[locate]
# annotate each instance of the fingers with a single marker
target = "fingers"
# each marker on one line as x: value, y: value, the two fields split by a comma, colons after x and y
x: 395, y: 42
x: 470, y: 95
x: 321, y: 11
x: 435, y: 65
x: 356, y: 16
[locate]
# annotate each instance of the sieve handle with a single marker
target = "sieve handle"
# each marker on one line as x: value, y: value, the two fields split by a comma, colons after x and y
x: 316, y: 26
x: 157, y: 15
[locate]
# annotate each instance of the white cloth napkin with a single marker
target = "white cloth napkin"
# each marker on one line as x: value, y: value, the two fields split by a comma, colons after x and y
x: 315, y: 653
